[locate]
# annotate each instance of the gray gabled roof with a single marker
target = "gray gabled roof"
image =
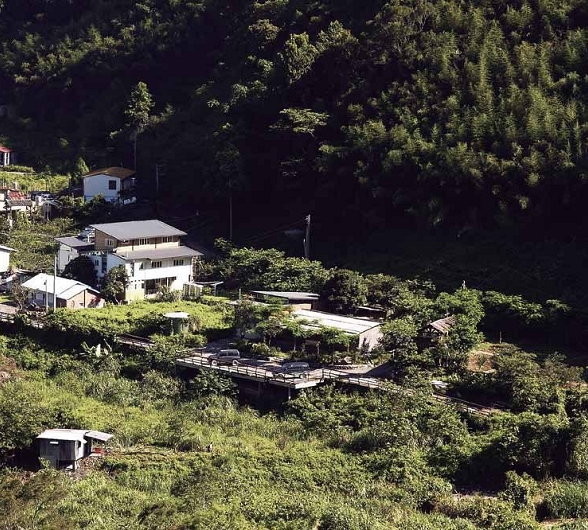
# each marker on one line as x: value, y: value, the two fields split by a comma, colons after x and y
x: 64, y: 287
x: 75, y: 242
x: 128, y: 230
x: 159, y: 253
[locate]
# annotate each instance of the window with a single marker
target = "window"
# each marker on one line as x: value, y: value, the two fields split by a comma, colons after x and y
x: 109, y: 242
x: 167, y: 239
x: 156, y: 264
x: 143, y: 241
x: 178, y: 262
x: 112, y: 184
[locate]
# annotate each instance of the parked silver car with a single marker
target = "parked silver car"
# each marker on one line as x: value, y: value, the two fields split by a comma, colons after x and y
x: 231, y: 356
x: 294, y: 369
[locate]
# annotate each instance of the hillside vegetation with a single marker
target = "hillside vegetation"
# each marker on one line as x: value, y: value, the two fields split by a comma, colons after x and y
x: 462, y: 113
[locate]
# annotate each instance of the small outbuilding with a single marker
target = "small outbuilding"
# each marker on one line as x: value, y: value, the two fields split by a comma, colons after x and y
x: 69, y: 294
x: 367, y: 333
x: 180, y: 322
x: 296, y: 299
x: 64, y: 448
x: 440, y: 328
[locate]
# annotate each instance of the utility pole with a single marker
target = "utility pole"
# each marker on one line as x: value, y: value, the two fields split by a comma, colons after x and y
x: 54, y: 282
x: 231, y: 216
x: 159, y: 171
x: 307, y: 238
x: 135, y: 150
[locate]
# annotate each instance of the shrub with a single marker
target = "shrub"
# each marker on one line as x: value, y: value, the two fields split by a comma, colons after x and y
x: 567, y: 499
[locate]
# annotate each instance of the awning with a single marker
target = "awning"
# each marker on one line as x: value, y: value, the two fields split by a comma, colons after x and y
x: 98, y: 435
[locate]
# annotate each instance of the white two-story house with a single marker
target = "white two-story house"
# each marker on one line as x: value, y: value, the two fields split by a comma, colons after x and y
x: 150, y: 251
x: 115, y: 184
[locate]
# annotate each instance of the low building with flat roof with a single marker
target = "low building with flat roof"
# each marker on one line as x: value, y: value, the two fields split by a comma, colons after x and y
x: 368, y: 332
x: 298, y: 299
x: 63, y: 448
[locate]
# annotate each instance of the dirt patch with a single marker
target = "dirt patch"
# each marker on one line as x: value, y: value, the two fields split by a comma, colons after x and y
x: 481, y: 361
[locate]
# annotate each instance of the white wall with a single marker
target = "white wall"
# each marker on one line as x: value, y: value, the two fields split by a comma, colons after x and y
x: 167, y: 270
x: 4, y: 260
x: 371, y: 338
x: 98, y: 185
x: 64, y: 256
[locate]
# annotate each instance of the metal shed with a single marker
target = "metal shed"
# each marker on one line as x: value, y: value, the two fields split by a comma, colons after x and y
x: 63, y: 448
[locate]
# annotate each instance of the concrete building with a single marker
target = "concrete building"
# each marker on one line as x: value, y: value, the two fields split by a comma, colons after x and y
x: 150, y: 251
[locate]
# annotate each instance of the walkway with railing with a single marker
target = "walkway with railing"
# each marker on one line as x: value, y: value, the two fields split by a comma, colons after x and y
x: 273, y: 376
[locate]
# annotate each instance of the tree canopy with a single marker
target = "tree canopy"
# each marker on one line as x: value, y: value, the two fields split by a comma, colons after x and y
x: 450, y: 113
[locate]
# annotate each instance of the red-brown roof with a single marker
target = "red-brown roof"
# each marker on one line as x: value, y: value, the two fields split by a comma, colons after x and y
x: 117, y: 172
x: 18, y: 195
x: 5, y: 149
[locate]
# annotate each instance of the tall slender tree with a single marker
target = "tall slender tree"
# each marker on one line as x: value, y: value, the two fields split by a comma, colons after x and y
x: 137, y: 114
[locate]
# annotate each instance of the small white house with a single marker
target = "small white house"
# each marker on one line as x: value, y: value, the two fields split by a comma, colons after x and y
x: 116, y: 184
x: 69, y: 294
x: 6, y: 156
x: 5, y: 258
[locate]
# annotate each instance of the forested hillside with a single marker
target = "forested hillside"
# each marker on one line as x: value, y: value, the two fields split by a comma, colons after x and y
x: 458, y: 113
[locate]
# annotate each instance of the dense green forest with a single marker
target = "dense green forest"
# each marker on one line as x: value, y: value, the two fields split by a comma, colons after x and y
x: 456, y: 113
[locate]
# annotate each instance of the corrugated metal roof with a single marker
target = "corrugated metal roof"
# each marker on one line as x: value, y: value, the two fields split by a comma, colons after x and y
x: 443, y: 325
x: 64, y: 287
x: 129, y: 230
x: 75, y: 242
x: 73, y: 435
x: 290, y: 295
x: 349, y: 325
x: 62, y: 434
x: 19, y: 202
x: 99, y: 435
x: 116, y: 172
x: 159, y: 253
